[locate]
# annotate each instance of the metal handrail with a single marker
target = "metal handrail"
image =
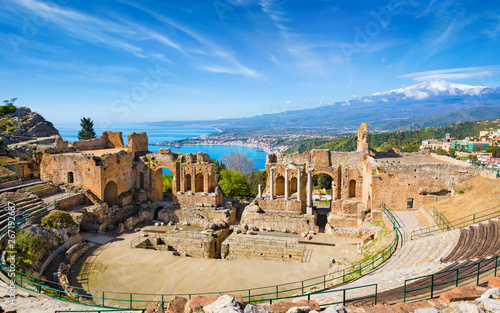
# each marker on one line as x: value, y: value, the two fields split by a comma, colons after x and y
x: 304, y: 288
x: 456, y: 278
x: 445, y: 226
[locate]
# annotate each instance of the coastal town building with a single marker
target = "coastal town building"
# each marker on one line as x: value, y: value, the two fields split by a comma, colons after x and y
x: 470, y: 145
x: 434, y: 144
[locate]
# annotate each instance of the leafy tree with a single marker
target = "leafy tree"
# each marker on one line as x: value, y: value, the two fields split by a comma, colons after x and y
x: 87, y: 131
x: 253, y: 181
x: 322, y: 181
x: 8, y: 107
x: 167, y: 182
x: 238, y: 161
x: 233, y: 183
x: 495, y: 151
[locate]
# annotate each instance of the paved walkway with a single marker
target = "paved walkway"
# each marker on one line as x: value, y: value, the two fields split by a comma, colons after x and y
x: 26, y: 302
x: 406, y: 222
x: 411, y: 259
x: 37, y: 182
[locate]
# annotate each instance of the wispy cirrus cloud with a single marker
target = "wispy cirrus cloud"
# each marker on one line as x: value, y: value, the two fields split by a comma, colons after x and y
x: 455, y: 73
x: 225, y: 61
x: 120, y: 33
x: 79, y: 25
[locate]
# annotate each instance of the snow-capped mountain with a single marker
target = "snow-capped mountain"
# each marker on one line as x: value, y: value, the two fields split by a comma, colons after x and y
x: 428, y: 103
x: 427, y: 89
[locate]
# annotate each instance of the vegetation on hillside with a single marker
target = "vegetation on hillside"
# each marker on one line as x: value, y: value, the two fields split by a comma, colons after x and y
x: 406, y: 141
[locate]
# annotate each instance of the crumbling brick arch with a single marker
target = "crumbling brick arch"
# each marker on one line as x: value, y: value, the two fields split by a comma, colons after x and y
x: 329, y: 172
x: 199, y: 183
x: 279, y: 186
x: 111, y: 193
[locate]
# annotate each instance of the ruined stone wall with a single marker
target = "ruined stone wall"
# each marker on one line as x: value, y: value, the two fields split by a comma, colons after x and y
x: 137, y: 142
x: 280, y: 205
x: 194, y: 181
x: 56, y: 168
x: 205, y: 217
x: 342, y: 167
x: 393, y: 184
x: 369, y: 171
x: 280, y: 221
x: 489, y: 174
x: 199, y: 247
x: 262, y: 247
x: 71, y: 202
x: 363, y: 139
x: 450, y: 160
x: 28, y: 170
x: 106, y: 140
x: 117, y: 168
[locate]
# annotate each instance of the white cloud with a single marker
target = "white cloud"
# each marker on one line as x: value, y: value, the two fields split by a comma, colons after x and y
x: 230, y: 64
x: 288, y: 102
x: 482, y: 72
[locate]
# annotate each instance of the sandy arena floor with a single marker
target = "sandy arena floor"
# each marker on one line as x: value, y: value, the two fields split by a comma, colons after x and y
x: 115, y: 266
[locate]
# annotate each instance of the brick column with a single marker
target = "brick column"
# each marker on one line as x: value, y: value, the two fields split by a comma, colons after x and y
x: 309, y: 191
x: 287, y: 184
x: 271, y: 189
x: 299, y: 183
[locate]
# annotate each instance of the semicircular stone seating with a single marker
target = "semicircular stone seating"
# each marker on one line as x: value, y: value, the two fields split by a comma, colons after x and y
x: 442, y: 253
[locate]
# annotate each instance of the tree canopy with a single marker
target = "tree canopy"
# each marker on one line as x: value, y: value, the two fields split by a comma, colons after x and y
x: 8, y: 107
x: 87, y: 131
x: 233, y: 183
x: 238, y: 161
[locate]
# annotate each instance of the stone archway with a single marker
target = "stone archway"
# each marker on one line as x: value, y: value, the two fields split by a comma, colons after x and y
x: 280, y: 186
x: 187, y: 182
x: 352, y: 188
x: 111, y: 193
x: 293, y: 185
x: 199, y: 183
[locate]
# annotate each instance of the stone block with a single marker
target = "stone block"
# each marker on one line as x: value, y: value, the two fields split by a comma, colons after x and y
x: 463, y: 294
x: 494, y: 282
x: 467, y: 307
x: 284, y: 306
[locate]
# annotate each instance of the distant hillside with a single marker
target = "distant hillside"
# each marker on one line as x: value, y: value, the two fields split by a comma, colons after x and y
x: 424, y: 104
x: 473, y: 114
x: 407, y: 141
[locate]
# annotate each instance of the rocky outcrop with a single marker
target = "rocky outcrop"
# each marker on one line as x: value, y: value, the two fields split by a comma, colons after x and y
x: 15, y: 127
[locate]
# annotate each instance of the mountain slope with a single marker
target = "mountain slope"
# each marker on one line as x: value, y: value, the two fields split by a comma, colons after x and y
x: 383, y: 110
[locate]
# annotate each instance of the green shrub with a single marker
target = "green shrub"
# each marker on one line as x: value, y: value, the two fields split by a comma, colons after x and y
x: 10, y: 129
x: 460, y: 191
x: 28, y: 246
x: 57, y: 219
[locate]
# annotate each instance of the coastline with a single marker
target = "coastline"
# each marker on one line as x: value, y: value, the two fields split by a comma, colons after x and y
x: 218, y: 144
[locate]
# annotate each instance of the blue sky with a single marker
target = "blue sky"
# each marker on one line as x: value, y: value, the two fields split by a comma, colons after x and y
x: 134, y: 61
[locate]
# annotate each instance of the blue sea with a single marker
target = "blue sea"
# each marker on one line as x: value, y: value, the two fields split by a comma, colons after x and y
x: 161, y: 134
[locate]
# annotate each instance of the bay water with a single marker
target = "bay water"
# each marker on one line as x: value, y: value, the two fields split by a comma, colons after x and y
x: 162, y: 134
